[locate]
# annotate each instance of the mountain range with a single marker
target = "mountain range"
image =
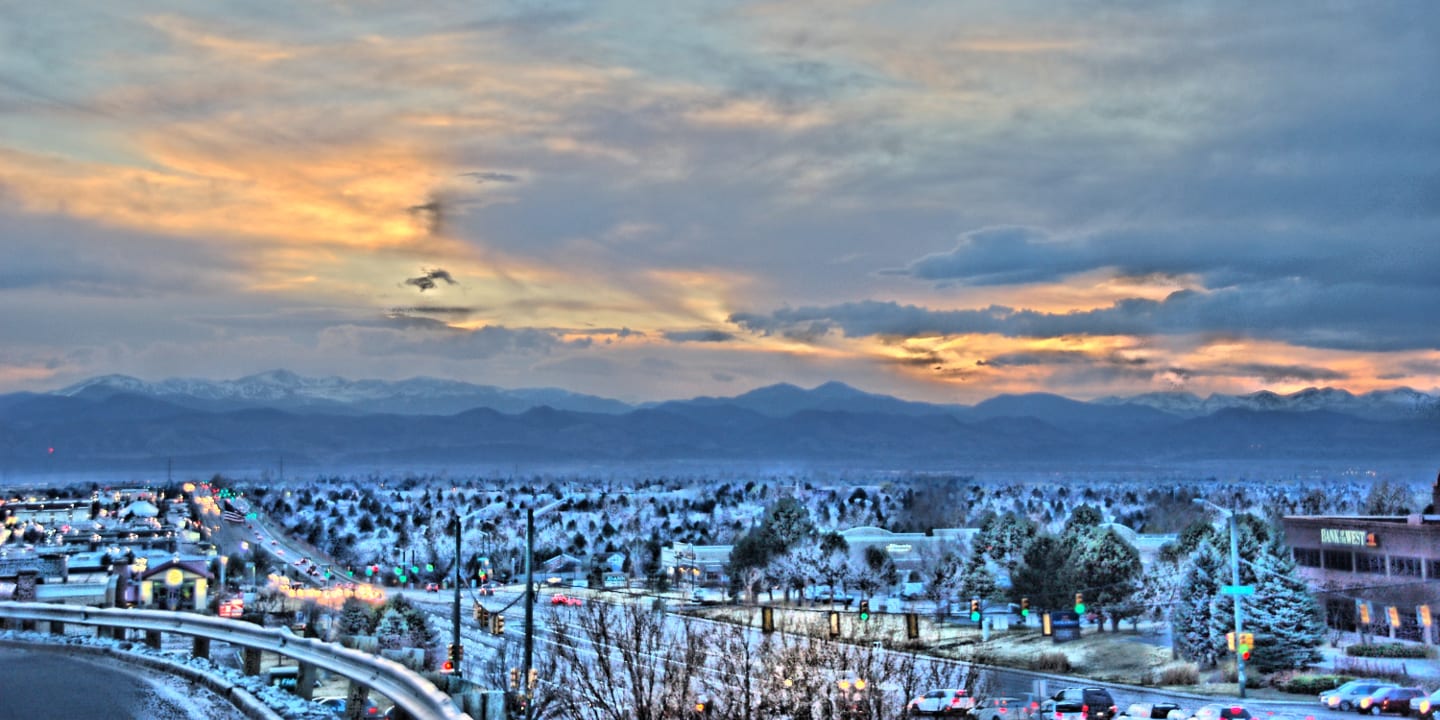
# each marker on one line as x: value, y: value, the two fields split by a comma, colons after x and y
x: 116, y: 422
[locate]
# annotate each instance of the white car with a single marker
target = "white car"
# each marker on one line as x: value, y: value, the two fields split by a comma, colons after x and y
x: 946, y: 701
x: 1004, y: 708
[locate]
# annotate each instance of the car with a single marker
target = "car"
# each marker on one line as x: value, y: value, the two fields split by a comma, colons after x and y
x: 1221, y: 712
x: 432, y: 587
x: 1424, y: 706
x: 338, y: 704
x: 488, y: 588
x: 1330, y: 698
x: 1347, y: 696
x: 945, y: 701
x: 1155, y: 711
x: 1003, y: 708
x: 1389, y: 700
x: 1080, y: 703
x: 705, y: 596
x: 567, y: 600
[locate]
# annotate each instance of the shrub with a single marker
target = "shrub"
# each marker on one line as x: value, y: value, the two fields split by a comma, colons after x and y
x: 1389, y: 650
x: 1308, y: 684
x: 1054, y: 662
x: 1187, y: 674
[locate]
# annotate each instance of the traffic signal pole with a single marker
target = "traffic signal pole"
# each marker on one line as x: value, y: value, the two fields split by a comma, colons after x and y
x: 1235, y: 579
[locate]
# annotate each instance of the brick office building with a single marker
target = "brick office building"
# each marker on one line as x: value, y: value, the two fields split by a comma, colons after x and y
x: 1386, y: 561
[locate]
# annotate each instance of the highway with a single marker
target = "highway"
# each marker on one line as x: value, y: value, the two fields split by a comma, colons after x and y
x: 43, y: 682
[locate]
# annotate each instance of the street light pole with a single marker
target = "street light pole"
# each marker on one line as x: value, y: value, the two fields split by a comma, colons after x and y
x: 529, y: 602
x: 1234, y: 580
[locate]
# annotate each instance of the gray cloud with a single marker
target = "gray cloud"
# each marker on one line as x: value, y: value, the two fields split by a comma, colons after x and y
x: 706, y: 336
x: 432, y: 309
x: 1302, y: 312
x: 427, y: 280
x: 422, y: 336
x: 484, y: 177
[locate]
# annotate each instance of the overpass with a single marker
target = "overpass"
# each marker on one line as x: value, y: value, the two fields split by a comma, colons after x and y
x: 414, y: 694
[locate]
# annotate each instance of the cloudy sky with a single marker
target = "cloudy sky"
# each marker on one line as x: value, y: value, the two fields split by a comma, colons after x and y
x: 941, y: 201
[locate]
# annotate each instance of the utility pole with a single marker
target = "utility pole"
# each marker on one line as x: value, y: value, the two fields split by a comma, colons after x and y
x: 455, y: 616
x: 529, y: 600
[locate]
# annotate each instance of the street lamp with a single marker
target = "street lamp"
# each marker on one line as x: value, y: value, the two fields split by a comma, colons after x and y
x: 1235, y: 581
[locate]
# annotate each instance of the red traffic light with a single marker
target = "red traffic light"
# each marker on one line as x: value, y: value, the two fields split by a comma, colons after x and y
x: 447, y: 667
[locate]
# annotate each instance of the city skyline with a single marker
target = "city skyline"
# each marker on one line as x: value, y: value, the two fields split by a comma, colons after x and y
x: 940, y: 203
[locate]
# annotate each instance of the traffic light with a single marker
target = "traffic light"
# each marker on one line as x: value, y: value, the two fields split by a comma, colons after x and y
x: 834, y: 624
x: 453, y: 652
x: 1025, y: 607
x: 1079, y: 602
x: 864, y: 610
x: 767, y: 619
x: 912, y: 626
x: 497, y: 624
x: 975, y: 609
x: 1230, y: 641
x: 533, y: 679
x: 514, y: 678
x: 1245, y: 654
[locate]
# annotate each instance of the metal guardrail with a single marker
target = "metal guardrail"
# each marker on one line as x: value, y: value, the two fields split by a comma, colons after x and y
x: 413, y: 693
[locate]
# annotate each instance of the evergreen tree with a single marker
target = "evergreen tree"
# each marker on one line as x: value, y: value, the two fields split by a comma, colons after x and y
x: 392, y: 631
x: 1191, y: 620
x: 355, y: 617
x: 1285, y: 618
x: 976, y: 581
x: 1110, y: 568
x: 1044, y: 574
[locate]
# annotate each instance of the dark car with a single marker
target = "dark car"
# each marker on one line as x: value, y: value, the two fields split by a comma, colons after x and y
x: 1389, y: 700
x: 1089, y: 703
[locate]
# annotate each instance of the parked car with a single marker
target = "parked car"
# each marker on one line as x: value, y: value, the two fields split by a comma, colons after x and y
x: 1221, y: 712
x: 1389, y: 700
x: 1155, y: 711
x: 1089, y: 703
x: 912, y: 591
x: 338, y: 704
x: 1330, y: 698
x: 705, y: 596
x: 1424, y: 706
x: 946, y: 701
x: 567, y: 600
x: 1003, y: 708
x: 1347, y: 696
x: 432, y: 587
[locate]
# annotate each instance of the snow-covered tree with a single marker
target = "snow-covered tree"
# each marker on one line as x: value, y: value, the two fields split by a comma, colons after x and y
x: 1285, y: 618
x: 1191, y: 621
x: 1110, y: 568
x: 977, y: 581
x: 392, y: 631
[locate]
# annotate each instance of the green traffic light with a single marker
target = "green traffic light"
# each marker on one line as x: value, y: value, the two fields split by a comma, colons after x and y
x: 1080, y: 607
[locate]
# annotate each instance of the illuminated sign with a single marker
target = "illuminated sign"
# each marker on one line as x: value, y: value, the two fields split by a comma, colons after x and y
x: 1359, y: 538
x: 897, y: 549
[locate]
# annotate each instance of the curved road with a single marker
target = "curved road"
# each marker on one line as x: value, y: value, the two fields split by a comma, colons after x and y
x: 42, y: 682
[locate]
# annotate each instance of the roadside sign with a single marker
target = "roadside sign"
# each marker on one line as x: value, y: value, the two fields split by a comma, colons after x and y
x: 1237, y: 589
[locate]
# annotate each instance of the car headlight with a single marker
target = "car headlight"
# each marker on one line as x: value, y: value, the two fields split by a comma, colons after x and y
x: 1425, y: 705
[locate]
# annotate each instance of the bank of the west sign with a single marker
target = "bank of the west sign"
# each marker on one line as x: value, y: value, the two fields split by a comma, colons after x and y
x: 1336, y: 536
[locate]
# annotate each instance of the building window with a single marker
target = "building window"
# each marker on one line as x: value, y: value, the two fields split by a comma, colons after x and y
x: 1370, y: 563
x: 1308, y: 557
x: 1432, y: 569
x: 1408, y: 566
x: 1339, y: 560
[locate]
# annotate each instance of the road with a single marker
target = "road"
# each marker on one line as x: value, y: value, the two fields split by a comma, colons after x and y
x: 39, y: 682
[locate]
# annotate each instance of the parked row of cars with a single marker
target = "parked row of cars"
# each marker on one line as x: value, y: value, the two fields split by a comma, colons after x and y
x: 1375, y: 697
x: 1078, y: 703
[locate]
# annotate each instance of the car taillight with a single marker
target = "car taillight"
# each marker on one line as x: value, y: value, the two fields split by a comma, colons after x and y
x: 1085, y: 711
x: 1235, y: 710
x: 1002, y: 711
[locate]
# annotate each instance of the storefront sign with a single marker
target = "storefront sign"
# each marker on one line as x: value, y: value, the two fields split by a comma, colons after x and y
x: 1358, y: 538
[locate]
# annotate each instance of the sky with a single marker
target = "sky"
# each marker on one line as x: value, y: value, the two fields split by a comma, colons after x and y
x: 940, y: 201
